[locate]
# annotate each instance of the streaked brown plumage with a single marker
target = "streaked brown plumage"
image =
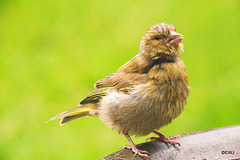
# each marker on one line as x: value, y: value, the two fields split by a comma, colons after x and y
x: 145, y: 94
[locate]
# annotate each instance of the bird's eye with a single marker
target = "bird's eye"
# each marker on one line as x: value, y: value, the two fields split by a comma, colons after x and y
x: 157, y: 37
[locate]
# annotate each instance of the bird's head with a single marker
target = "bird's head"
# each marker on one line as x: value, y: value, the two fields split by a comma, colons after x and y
x: 162, y: 42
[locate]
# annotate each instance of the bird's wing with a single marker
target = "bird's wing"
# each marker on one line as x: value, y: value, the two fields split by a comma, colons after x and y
x: 105, y: 82
x: 120, y: 81
x: 95, y: 95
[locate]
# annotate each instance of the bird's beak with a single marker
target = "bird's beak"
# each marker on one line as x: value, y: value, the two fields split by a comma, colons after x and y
x: 174, y: 38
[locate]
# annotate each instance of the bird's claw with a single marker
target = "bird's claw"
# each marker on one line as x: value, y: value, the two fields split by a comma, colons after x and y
x: 165, y: 139
x: 136, y: 151
x: 151, y: 138
x: 125, y: 147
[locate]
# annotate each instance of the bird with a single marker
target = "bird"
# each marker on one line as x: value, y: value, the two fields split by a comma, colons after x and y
x: 144, y: 94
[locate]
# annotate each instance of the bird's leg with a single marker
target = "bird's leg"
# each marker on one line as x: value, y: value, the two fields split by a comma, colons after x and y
x: 134, y: 148
x: 163, y: 138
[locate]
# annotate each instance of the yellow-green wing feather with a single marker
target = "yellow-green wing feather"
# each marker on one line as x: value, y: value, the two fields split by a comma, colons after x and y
x: 95, y: 95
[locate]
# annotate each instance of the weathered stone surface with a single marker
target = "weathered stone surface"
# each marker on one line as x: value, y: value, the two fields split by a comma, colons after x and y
x: 214, y: 144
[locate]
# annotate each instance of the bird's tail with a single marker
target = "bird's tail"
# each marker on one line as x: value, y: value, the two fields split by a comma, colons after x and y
x: 72, y: 114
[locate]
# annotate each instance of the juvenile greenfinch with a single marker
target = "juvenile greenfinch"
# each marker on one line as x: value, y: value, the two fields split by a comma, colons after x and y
x: 144, y: 94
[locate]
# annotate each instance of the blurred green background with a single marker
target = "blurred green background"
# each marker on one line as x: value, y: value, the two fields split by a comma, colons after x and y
x: 52, y: 52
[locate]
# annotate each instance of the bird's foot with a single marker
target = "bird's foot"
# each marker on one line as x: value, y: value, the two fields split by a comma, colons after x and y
x: 136, y: 151
x: 163, y: 138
